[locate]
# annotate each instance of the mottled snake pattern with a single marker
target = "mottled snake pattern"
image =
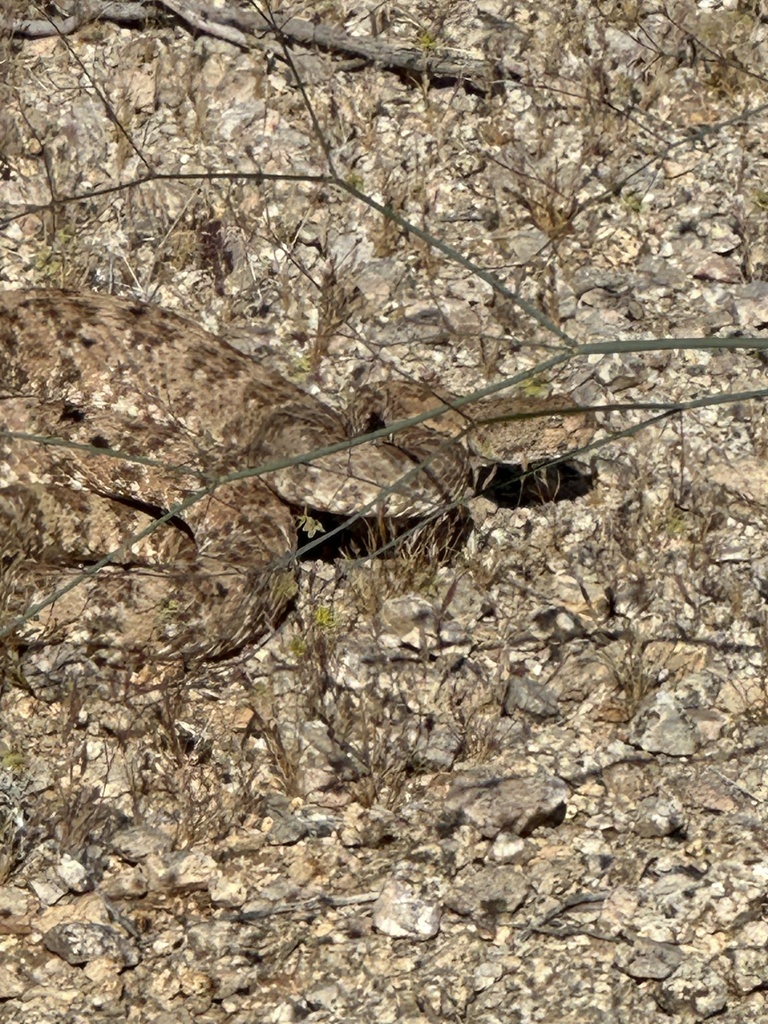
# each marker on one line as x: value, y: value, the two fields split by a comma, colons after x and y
x: 148, y: 409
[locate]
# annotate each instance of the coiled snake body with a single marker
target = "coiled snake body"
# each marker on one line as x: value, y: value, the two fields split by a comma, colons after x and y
x: 152, y: 409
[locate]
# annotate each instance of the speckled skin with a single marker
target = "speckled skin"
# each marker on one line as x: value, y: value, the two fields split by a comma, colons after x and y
x: 183, y: 409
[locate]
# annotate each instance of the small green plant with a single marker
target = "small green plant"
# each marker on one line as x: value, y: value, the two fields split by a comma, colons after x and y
x: 535, y: 387
x: 51, y: 259
x: 325, y: 618
x: 298, y: 647
x: 677, y: 522
x: 300, y: 369
x: 632, y: 202
x: 426, y: 42
x: 13, y: 760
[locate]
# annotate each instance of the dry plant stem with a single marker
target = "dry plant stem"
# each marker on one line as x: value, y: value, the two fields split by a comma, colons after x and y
x: 243, y: 28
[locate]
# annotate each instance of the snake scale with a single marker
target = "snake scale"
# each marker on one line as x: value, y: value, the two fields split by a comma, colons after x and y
x: 148, y: 410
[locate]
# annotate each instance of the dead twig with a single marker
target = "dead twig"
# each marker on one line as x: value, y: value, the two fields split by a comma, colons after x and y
x: 247, y: 28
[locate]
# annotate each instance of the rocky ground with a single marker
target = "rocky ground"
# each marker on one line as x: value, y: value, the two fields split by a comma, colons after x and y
x: 527, y: 785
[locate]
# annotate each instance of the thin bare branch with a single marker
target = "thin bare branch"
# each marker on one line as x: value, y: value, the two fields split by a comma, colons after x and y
x: 249, y: 27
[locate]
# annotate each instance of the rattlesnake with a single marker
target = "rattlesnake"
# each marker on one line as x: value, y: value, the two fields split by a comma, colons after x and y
x: 183, y: 408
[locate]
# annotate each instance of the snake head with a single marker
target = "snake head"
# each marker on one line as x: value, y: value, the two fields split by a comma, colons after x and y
x: 521, y: 430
